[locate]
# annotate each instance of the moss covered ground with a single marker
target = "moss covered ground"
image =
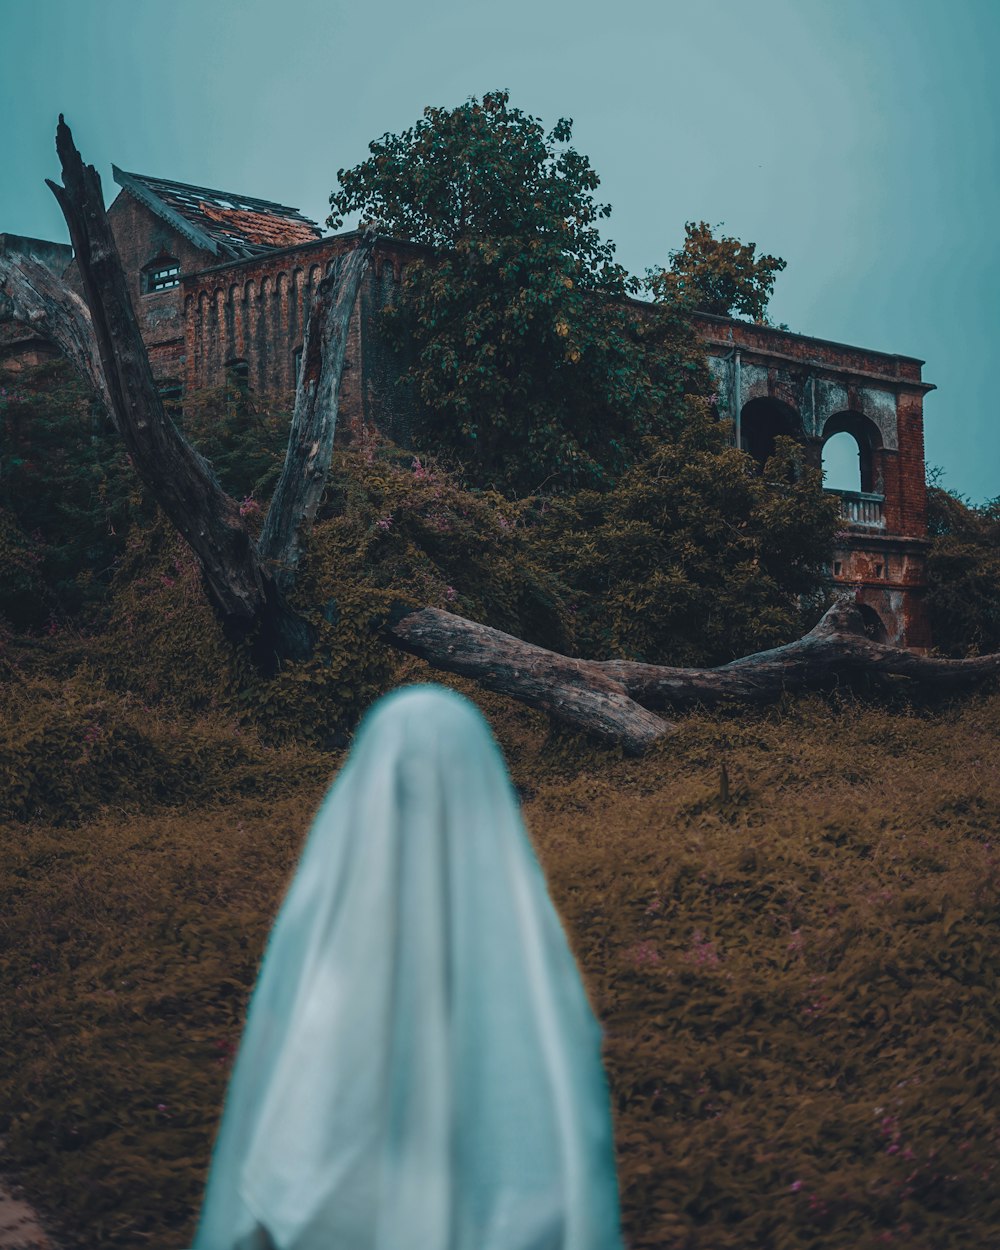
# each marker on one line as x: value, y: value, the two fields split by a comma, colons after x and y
x: 787, y: 922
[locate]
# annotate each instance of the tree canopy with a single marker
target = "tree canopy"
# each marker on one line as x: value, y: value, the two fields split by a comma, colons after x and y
x: 529, y: 367
x: 717, y: 275
x: 483, y: 171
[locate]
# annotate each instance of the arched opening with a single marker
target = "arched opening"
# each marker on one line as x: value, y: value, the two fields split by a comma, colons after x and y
x: 852, y: 447
x: 842, y: 462
x: 764, y: 420
x: 874, y: 626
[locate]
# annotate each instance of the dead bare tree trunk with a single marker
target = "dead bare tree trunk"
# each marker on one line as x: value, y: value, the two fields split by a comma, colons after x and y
x: 46, y: 304
x: 314, y: 418
x: 245, y: 584
x: 180, y: 479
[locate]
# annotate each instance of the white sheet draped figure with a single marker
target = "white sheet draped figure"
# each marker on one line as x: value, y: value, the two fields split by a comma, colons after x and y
x: 420, y: 1067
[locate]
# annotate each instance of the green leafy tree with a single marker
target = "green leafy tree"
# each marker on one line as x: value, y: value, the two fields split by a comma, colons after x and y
x: 529, y: 367
x: 963, y: 573
x: 717, y: 275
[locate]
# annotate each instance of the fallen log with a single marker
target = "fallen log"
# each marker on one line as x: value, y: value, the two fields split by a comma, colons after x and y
x: 617, y: 699
x: 575, y: 692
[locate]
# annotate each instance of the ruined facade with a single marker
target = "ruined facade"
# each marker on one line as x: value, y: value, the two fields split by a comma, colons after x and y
x: 222, y: 286
x: 770, y: 382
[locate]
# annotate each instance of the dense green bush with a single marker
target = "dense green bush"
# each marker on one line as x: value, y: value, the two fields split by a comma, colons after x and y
x: 244, y: 441
x: 695, y: 557
x: 67, y: 497
x: 963, y: 574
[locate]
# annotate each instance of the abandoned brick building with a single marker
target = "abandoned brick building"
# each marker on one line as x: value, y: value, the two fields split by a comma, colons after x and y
x: 222, y: 286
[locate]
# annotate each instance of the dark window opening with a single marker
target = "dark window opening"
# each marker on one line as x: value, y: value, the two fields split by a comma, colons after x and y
x: 762, y: 422
x: 170, y: 392
x: 238, y: 375
x: 162, y: 274
x: 837, y: 566
x: 878, y: 570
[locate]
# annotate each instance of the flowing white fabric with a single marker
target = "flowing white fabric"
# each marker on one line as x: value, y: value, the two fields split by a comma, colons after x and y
x: 420, y: 1068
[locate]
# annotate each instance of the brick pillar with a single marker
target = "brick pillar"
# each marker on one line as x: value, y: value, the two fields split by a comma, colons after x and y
x: 912, y: 479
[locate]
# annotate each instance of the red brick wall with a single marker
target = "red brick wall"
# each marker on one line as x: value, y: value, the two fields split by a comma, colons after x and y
x: 912, y: 473
x: 141, y: 236
x: 887, y: 574
x: 768, y: 341
x: 255, y: 311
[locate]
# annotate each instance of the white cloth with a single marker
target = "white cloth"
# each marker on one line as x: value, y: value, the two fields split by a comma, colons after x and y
x: 420, y: 1068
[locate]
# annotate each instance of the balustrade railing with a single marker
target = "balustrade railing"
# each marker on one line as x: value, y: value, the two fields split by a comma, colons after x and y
x: 861, y: 509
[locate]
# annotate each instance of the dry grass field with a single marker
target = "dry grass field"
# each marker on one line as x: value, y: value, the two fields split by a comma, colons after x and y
x: 787, y: 922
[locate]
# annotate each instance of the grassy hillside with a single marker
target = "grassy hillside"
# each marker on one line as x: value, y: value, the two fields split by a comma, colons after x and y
x: 797, y: 979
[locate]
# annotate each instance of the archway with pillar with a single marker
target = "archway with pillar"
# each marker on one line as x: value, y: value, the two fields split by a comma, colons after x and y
x: 853, y: 454
x: 762, y: 421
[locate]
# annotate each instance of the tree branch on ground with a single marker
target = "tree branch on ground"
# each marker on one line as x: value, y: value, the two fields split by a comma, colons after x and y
x: 617, y: 699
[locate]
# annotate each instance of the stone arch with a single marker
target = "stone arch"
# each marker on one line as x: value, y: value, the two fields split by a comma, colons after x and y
x: 841, y: 460
x: 764, y: 419
x: 875, y: 627
x: 868, y: 438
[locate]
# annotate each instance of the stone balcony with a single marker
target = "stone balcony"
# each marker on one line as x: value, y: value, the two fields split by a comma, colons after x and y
x: 861, y: 510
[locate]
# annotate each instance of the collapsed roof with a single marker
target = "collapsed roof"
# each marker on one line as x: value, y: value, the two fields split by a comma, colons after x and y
x: 227, y: 225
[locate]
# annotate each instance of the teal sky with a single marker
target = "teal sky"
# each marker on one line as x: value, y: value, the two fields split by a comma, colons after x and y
x: 855, y: 138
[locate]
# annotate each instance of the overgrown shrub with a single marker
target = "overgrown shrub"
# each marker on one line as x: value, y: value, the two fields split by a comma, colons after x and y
x: 531, y: 370
x: 963, y: 574
x: 67, y: 496
x: 695, y: 557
